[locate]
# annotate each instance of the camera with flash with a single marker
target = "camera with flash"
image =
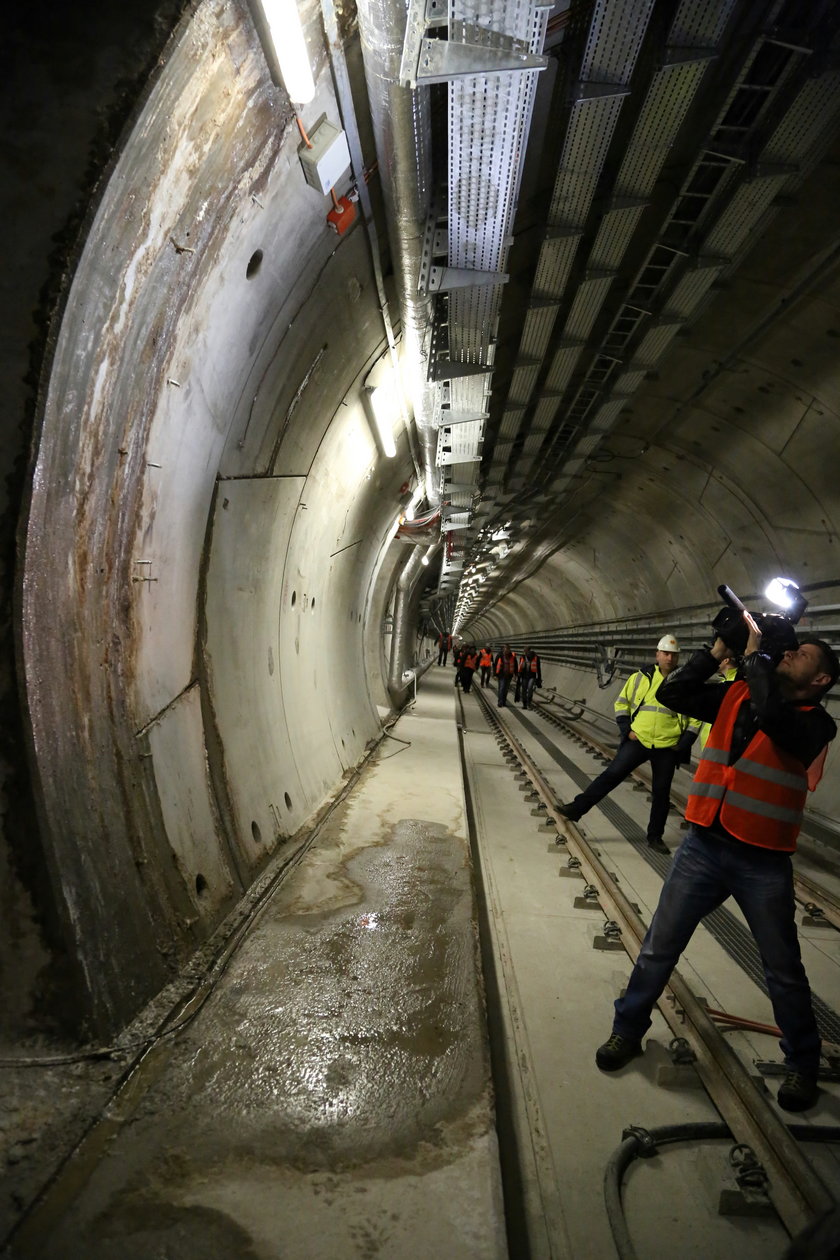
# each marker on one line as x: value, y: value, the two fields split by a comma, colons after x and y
x: 777, y: 629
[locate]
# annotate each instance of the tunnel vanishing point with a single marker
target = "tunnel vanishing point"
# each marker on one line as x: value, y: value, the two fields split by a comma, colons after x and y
x: 560, y: 320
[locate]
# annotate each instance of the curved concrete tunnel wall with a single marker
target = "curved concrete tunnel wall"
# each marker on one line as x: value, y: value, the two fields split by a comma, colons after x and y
x: 208, y: 546
x: 197, y: 713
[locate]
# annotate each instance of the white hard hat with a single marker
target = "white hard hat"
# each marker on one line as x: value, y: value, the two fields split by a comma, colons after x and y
x: 667, y: 644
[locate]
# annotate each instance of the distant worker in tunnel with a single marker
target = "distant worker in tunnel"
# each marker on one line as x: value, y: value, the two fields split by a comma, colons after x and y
x: 469, y: 661
x: 485, y: 661
x: 765, y: 752
x: 444, y: 644
x: 530, y: 674
x: 650, y: 731
x: 506, y: 665
x: 457, y: 654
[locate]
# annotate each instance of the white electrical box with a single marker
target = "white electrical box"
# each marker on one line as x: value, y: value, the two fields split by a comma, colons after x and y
x: 328, y: 159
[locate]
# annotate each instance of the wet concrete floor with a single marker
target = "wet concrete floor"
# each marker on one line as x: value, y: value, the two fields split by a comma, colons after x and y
x: 332, y: 1097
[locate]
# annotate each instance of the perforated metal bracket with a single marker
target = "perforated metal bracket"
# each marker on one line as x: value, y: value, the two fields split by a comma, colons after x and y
x: 667, y: 319
x: 415, y: 30
x: 676, y: 55
x: 435, y: 243
x: 704, y: 262
x: 773, y: 170
x: 442, y: 279
x: 448, y: 418
x: 441, y: 370
x: 449, y: 458
x: 563, y: 231
x: 589, y: 91
x: 627, y: 203
x: 443, y: 59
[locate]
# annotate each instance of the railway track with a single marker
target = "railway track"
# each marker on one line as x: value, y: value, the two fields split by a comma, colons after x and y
x: 796, y: 1191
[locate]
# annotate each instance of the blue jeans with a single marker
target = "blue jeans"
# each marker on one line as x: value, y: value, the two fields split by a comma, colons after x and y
x: 705, y: 871
x: 528, y: 684
x: 504, y: 683
x: 632, y: 754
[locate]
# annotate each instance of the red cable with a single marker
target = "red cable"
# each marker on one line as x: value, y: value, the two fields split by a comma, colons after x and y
x: 752, y: 1024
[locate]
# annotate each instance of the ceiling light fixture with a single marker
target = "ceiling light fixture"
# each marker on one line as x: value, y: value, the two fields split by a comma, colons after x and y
x: 382, y: 404
x: 281, y: 33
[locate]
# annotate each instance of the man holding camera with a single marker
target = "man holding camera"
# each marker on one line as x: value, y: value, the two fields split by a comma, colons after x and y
x: 766, y: 749
x: 650, y: 731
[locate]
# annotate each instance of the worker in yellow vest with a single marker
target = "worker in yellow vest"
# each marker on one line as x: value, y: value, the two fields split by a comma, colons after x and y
x: 649, y: 732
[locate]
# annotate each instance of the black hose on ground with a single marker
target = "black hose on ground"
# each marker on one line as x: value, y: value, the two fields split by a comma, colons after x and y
x: 643, y: 1143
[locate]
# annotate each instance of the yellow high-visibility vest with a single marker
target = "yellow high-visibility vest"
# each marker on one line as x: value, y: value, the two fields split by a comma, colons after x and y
x: 652, y: 723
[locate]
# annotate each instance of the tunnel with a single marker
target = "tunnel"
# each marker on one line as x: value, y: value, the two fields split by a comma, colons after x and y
x: 523, y: 327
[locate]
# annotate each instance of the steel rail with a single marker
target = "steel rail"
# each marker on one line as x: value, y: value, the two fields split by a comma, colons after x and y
x: 806, y: 891
x: 797, y: 1192
x: 810, y: 893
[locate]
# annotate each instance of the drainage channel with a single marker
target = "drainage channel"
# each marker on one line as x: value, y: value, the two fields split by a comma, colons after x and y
x: 796, y: 1191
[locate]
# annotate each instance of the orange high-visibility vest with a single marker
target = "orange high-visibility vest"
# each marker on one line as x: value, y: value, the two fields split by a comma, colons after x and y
x: 506, y: 664
x: 485, y: 659
x: 469, y: 660
x: 762, y: 796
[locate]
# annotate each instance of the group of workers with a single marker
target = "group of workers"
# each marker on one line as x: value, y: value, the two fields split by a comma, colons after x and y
x: 523, y: 669
x: 762, y: 735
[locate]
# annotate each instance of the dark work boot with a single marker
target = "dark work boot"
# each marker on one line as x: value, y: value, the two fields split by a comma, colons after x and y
x: 657, y: 844
x: 570, y: 811
x: 617, y: 1052
x: 798, y: 1092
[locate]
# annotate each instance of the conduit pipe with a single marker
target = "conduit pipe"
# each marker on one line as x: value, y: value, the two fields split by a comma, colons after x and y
x: 344, y: 91
x: 404, y: 622
x: 402, y: 133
